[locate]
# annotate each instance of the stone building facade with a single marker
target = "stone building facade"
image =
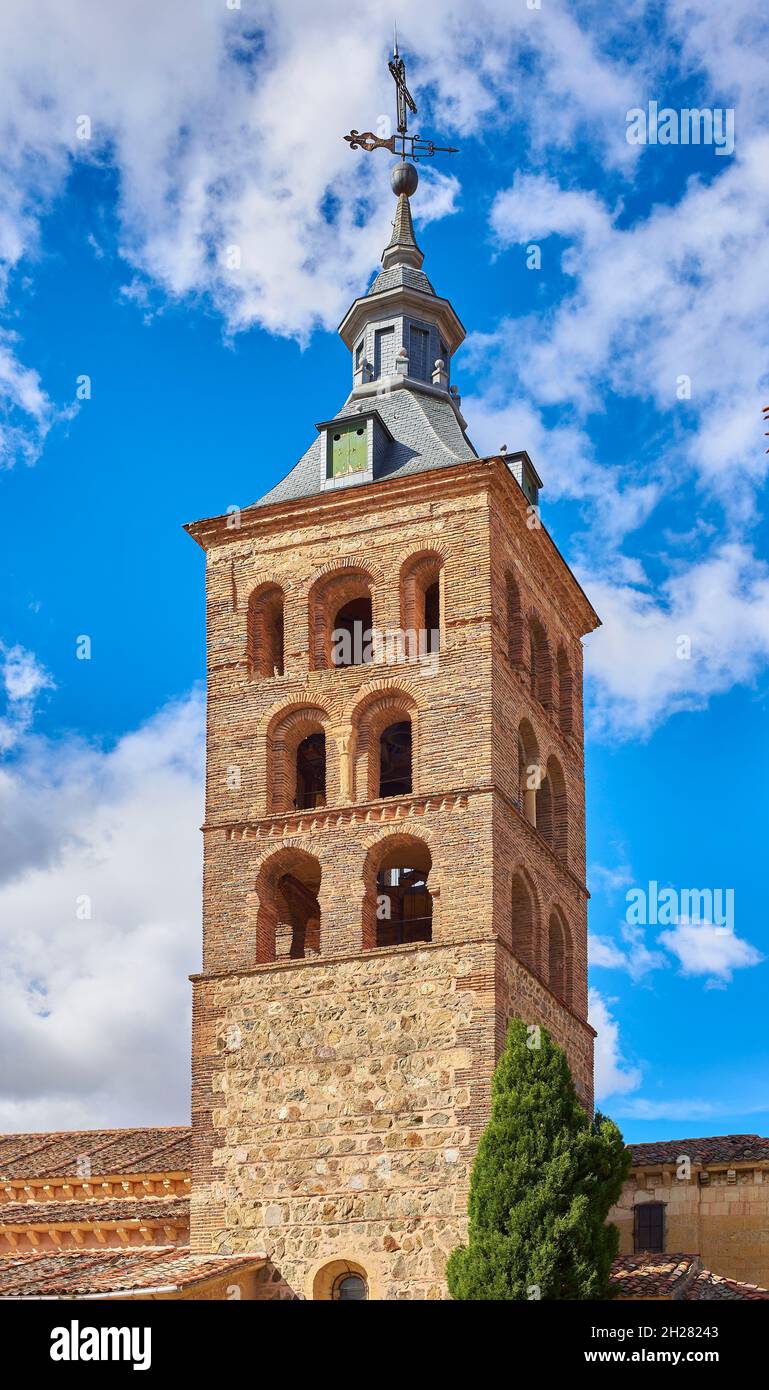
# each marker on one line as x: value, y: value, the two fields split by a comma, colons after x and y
x: 394, y: 833
x: 710, y: 1195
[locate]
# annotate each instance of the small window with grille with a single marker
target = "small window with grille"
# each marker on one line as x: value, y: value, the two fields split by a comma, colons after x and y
x: 649, y: 1227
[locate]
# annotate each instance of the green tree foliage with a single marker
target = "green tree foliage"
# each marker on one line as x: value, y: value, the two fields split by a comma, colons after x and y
x: 543, y: 1181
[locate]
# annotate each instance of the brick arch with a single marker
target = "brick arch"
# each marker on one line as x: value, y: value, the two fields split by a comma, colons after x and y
x: 560, y: 956
x: 426, y: 835
x: 397, y: 844
x: 417, y: 571
x: 372, y: 689
x: 285, y: 731
x: 424, y: 546
x: 265, y: 629
x: 294, y: 703
x: 514, y: 621
x: 378, y: 707
x: 288, y: 914
x: 552, y: 808
x: 529, y: 770
x: 373, y: 568
x: 333, y: 587
x: 525, y: 918
x: 539, y: 661
x: 565, y: 684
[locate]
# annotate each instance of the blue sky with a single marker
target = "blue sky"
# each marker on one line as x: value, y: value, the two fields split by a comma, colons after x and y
x: 212, y: 127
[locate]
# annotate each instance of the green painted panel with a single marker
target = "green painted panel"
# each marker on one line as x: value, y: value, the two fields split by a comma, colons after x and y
x: 348, y: 451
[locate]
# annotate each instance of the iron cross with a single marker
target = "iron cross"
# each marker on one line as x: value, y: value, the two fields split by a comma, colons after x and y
x: 403, y: 144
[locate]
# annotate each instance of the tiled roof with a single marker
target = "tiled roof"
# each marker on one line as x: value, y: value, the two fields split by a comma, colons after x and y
x: 89, y: 1272
x: 707, y: 1287
x: 651, y: 1276
x: 426, y: 434
x: 663, y: 1276
x: 719, y: 1148
x: 158, y: 1150
x: 17, y: 1215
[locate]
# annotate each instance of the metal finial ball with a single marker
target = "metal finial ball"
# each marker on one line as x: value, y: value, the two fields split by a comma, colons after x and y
x: 404, y: 179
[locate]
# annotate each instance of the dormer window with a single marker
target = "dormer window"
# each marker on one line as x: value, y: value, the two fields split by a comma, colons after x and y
x: 348, y: 452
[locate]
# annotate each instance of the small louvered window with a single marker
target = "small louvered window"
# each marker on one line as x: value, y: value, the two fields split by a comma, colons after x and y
x: 419, y: 340
x: 384, y: 352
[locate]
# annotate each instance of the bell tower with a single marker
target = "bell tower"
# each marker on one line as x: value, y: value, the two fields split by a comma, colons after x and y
x: 394, y: 833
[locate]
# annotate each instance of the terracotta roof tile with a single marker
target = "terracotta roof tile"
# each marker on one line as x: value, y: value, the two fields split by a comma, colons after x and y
x: 88, y: 1272
x: 95, y: 1212
x: 708, y: 1287
x: 664, y: 1276
x: 156, y: 1150
x: 718, y: 1148
x: 652, y: 1275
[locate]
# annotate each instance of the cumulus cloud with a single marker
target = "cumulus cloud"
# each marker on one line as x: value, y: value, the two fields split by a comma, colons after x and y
x: 100, y: 903
x: 23, y: 680
x: 677, y: 293
x: 703, y: 948
x: 613, y: 1076
x: 224, y: 126
x: 636, y: 957
x: 702, y: 631
x: 681, y: 292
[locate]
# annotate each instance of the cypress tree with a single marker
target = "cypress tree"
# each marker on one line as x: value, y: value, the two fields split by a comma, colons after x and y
x: 543, y: 1181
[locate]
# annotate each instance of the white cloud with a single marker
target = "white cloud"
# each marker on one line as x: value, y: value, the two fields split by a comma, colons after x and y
x: 613, y: 1076
x: 717, y: 610
x: 685, y: 1110
x: 224, y: 127
x: 23, y: 679
x: 26, y: 411
x: 608, y: 880
x: 702, y: 948
x: 94, y: 1013
x: 636, y: 959
x: 680, y: 291
x: 683, y: 291
x: 602, y: 950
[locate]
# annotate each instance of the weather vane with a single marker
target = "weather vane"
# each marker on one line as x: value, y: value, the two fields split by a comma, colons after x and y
x: 403, y: 144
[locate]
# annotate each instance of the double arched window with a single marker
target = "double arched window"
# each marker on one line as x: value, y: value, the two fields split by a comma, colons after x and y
x: 341, y: 630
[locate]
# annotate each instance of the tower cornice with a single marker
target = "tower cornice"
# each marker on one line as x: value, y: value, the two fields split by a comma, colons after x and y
x: 402, y: 299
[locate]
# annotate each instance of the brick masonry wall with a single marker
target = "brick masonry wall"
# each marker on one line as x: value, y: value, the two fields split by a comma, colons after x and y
x: 337, y: 1101
x: 727, y: 1224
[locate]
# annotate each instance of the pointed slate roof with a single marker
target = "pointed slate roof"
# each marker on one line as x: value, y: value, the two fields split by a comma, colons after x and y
x: 423, y: 424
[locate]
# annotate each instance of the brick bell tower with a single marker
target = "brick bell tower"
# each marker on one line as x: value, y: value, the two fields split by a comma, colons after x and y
x: 394, y: 834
